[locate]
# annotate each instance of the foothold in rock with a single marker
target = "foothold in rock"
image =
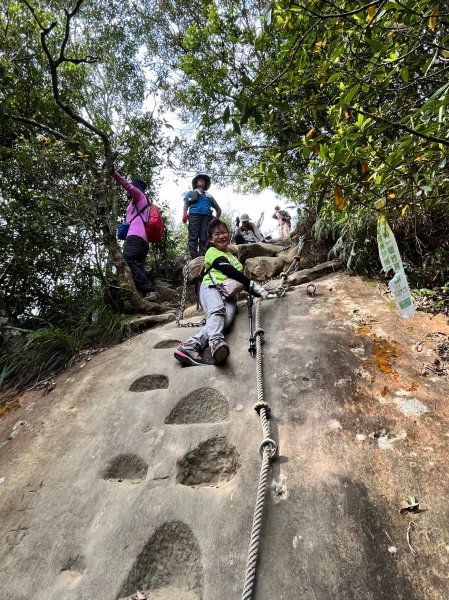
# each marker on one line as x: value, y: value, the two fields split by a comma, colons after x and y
x: 125, y: 466
x: 167, y: 344
x: 169, y: 564
x: 204, y: 405
x: 148, y: 383
x: 212, y: 462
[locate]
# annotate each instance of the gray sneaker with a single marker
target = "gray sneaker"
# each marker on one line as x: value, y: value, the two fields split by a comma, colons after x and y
x: 188, y: 354
x: 219, y: 350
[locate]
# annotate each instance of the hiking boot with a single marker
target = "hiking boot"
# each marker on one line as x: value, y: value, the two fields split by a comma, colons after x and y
x: 188, y: 354
x: 151, y: 297
x: 219, y: 350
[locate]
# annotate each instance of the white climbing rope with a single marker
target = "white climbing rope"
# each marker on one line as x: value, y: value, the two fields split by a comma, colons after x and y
x: 267, y: 449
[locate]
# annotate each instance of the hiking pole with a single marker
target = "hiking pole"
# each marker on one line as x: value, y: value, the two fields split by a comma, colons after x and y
x: 252, y: 341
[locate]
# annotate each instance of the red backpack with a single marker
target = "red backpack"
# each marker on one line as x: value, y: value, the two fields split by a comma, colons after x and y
x: 154, y: 227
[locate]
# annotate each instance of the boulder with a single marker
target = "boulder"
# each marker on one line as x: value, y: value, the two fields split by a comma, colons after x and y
x: 195, y: 266
x: 246, y: 251
x: 167, y: 294
x: 192, y: 312
x: 263, y: 267
x: 288, y: 255
x: 284, y: 242
x: 233, y: 249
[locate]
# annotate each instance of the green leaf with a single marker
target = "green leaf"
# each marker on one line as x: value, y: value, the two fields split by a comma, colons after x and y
x: 375, y: 44
x: 350, y: 95
x: 226, y: 115
x: 245, y: 113
x: 334, y: 77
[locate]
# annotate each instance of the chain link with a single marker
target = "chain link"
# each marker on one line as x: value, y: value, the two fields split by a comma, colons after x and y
x: 294, y: 265
x: 182, y: 305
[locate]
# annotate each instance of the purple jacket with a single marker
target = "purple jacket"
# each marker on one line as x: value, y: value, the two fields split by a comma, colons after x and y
x: 138, y: 202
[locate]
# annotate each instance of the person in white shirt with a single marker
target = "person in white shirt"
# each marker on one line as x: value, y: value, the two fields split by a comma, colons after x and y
x: 246, y: 231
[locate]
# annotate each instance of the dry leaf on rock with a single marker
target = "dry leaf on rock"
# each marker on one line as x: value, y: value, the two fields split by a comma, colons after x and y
x: 411, y: 504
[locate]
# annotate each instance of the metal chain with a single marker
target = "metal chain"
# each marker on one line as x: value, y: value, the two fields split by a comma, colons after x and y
x: 268, y: 449
x: 293, y: 265
x: 182, y: 305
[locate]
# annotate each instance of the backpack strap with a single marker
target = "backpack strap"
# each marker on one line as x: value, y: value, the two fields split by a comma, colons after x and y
x: 139, y: 212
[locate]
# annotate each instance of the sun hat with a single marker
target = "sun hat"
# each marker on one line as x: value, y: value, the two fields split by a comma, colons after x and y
x: 201, y: 176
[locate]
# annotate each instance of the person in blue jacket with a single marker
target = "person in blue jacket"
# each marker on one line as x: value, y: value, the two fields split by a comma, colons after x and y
x: 198, y: 205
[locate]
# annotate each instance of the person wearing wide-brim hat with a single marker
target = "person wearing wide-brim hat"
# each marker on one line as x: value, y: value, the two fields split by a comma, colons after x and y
x: 246, y: 231
x: 198, y: 205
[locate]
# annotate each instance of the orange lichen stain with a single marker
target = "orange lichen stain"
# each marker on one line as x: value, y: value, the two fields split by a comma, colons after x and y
x: 384, y: 391
x: 411, y: 388
x: 8, y: 406
x: 384, y: 353
x: 366, y: 329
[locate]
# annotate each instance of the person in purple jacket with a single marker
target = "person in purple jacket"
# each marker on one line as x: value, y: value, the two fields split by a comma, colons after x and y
x: 136, y: 245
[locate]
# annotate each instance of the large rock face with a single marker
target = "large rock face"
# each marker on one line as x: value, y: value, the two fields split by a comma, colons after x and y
x: 264, y: 267
x: 135, y: 473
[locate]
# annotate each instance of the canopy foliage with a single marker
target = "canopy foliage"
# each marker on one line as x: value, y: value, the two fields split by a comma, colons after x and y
x: 333, y: 104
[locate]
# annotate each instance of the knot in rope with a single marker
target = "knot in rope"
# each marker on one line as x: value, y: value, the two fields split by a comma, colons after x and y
x: 260, y: 332
x: 261, y: 404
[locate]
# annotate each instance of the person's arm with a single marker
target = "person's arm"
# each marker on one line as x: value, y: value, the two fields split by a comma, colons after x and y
x: 257, y: 233
x: 275, y: 216
x: 136, y: 194
x: 222, y: 264
x: 217, y: 208
x: 185, y: 215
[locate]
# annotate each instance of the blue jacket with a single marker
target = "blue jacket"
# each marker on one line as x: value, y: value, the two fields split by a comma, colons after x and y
x: 203, y: 206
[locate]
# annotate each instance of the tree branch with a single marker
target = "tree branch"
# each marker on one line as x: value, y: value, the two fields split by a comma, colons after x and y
x: 430, y: 138
x: 58, y: 135
x: 53, y: 132
x: 341, y: 14
x: 55, y: 63
x: 295, y: 51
